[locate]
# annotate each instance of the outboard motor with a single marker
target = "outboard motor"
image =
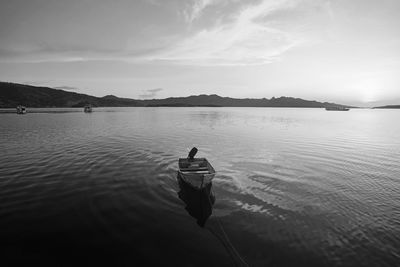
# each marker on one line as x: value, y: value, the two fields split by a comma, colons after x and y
x: 192, y: 153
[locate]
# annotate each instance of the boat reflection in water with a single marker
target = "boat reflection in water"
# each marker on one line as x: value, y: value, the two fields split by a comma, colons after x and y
x: 199, y: 202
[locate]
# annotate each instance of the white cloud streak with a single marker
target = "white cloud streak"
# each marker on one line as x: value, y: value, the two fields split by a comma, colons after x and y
x: 197, y: 9
x: 247, y: 40
x: 150, y: 93
x: 250, y: 37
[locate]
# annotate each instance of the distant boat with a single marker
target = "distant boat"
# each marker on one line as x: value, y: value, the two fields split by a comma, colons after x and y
x: 21, y: 110
x: 196, y: 172
x: 338, y: 108
x: 88, y: 108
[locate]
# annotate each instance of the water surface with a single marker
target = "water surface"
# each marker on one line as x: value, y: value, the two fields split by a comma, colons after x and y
x: 293, y: 187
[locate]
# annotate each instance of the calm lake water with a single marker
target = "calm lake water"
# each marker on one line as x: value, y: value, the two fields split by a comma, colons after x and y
x: 294, y: 187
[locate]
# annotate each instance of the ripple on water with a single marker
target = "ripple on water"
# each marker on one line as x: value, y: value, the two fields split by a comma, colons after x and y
x: 290, y: 184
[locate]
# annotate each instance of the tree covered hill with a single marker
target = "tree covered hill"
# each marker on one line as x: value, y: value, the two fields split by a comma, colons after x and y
x: 12, y: 95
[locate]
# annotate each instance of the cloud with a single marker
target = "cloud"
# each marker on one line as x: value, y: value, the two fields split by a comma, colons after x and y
x: 195, y: 11
x: 244, y: 41
x: 226, y: 32
x: 47, y: 83
x: 66, y: 88
x: 150, y: 93
x: 250, y: 38
x: 64, y: 54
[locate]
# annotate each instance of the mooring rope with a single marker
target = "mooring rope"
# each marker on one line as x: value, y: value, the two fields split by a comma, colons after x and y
x: 227, y: 244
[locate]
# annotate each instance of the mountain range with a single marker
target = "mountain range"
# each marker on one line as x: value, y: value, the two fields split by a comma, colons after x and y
x: 13, y: 94
x: 389, y: 107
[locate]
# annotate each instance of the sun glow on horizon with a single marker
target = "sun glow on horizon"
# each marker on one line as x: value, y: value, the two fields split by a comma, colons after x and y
x: 369, y: 89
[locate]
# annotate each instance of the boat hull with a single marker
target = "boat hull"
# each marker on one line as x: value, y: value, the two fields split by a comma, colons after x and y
x: 196, y: 172
x: 198, y: 181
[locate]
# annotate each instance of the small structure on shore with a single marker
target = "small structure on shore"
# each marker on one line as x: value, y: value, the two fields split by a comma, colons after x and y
x: 21, y: 109
x: 337, y: 108
x: 88, y: 108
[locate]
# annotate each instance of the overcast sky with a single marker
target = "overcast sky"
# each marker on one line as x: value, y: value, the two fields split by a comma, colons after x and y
x: 333, y: 50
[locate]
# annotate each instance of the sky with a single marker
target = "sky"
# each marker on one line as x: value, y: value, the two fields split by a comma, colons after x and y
x: 346, y: 51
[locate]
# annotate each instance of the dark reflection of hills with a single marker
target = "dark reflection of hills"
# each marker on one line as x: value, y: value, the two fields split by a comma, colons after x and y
x: 199, y: 203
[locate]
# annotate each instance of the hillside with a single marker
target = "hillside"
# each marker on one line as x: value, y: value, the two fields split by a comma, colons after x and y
x: 12, y: 94
x: 215, y: 100
x: 389, y: 107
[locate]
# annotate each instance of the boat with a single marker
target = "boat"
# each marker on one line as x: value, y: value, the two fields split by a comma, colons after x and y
x: 88, y: 108
x: 338, y: 108
x: 21, y: 109
x: 196, y: 172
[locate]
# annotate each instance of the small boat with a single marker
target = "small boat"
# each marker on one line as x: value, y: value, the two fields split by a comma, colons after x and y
x: 88, y: 108
x: 21, y: 109
x: 338, y: 108
x: 196, y: 172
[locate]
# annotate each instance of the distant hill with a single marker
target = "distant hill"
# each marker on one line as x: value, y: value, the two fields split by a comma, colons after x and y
x: 215, y: 100
x: 389, y: 107
x: 12, y: 94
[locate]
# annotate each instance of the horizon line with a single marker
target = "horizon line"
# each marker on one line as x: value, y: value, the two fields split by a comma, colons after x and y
x: 200, y: 94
